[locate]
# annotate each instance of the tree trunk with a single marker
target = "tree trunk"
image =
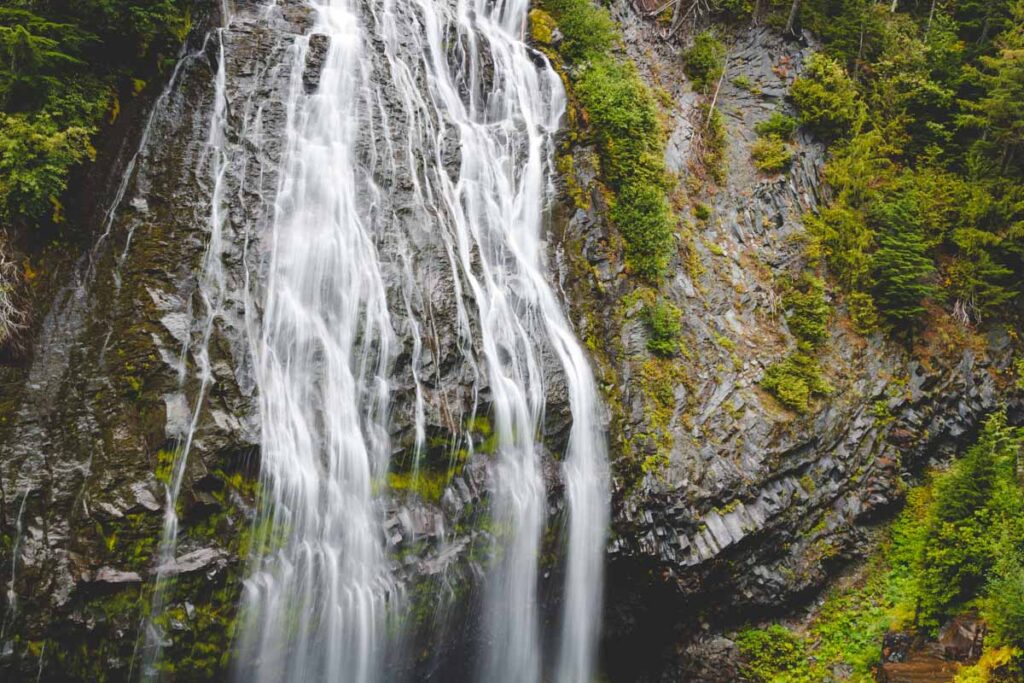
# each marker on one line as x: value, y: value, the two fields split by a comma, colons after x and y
x: 677, y: 17
x: 931, y: 16
x: 794, y: 14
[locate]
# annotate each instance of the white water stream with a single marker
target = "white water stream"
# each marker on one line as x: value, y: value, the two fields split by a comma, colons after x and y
x: 468, y: 112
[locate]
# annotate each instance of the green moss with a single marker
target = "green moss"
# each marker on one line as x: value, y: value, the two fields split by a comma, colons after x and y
x: 542, y: 26
x: 165, y: 461
x: 724, y: 342
x: 429, y: 486
x: 657, y: 381
x: 881, y: 412
x: 714, y: 248
x: 565, y: 165
x: 713, y: 143
x: 702, y: 211
x: 743, y: 82
x: 772, y: 654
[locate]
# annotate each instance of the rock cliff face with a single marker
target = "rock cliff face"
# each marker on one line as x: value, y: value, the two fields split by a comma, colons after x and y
x: 725, y: 504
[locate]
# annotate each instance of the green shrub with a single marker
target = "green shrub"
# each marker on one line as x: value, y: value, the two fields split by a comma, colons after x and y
x: 705, y: 60
x: 588, y: 31
x: 743, y: 82
x: 862, y: 312
x: 624, y: 116
x: 772, y: 654
x: 61, y: 66
x: 630, y: 140
x: 901, y: 267
x: 795, y: 380
x: 777, y: 125
x: 36, y: 156
x: 664, y: 325
x: 809, y: 312
x: 827, y: 98
x: 642, y: 215
x: 771, y: 155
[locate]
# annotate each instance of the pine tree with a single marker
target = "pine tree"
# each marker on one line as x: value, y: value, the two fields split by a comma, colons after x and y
x: 901, y: 265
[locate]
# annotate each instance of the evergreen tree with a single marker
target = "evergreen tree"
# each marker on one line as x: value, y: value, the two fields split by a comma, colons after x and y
x: 902, y: 267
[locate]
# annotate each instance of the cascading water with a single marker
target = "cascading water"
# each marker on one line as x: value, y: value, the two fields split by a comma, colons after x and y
x: 493, y: 211
x: 315, y: 607
x: 445, y: 95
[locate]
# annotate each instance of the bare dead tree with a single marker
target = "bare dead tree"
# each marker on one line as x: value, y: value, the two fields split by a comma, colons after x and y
x: 695, y: 10
x: 13, y: 305
x: 794, y: 15
x: 714, y: 100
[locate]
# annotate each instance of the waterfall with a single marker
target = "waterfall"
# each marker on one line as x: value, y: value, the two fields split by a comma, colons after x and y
x: 427, y: 135
x: 315, y: 607
x: 211, y: 293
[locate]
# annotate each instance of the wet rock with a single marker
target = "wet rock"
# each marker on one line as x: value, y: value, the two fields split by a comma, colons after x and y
x: 113, y: 576
x: 962, y: 638
x: 195, y: 561
x: 315, y: 56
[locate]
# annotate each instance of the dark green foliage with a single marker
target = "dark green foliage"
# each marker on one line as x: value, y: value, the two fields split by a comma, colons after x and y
x: 927, y: 145
x: 665, y: 325
x: 777, y: 125
x: 623, y: 118
x: 827, y: 98
x: 61, y: 67
x: 705, y: 61
x: 1004, y: 603
x: 33, y: 54
x: 999, y: 114
x: 734, y: 9
x: 977, y: 519
x: 901, y: 266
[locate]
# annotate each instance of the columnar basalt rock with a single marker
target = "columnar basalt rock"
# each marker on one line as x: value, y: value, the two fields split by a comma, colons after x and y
x: 751, y: 507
